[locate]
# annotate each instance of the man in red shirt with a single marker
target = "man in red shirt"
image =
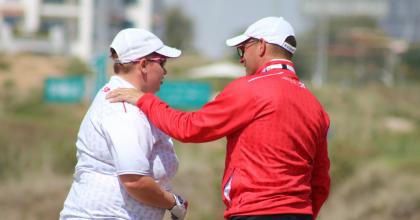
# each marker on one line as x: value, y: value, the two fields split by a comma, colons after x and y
x: 277, y: 164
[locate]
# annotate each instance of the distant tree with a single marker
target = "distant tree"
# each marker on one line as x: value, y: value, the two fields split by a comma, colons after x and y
x: 76, y: 66
x: 357, y: 49
x: 179, y: 29
x: 339, y: 26
x: 410, y: 60
x: 302, y: 64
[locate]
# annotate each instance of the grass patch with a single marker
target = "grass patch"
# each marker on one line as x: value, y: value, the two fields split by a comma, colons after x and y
x: 35, y: 137
x: 39, y: 138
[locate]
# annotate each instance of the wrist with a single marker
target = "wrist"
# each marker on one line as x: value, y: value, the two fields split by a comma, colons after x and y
x: 179, y: 211
x: 172, y: 200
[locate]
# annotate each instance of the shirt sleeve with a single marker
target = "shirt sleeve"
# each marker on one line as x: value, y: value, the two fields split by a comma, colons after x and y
x: 130, y: 142
x: 320, y: 177
x: 232, y: 109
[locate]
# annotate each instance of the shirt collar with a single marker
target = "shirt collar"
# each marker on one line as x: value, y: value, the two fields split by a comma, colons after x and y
x: 119, y: 81
x: 278, y: 64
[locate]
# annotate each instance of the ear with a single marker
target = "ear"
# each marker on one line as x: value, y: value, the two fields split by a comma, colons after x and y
x: 262, y: 48
x: 142, y: 64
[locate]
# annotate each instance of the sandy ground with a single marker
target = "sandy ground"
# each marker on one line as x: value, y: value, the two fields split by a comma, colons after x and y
x: 39, y: 196
x: 28, y: 72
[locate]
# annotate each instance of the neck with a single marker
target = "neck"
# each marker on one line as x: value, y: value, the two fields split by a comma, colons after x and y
x: 132, y: 79
x: 276, y: 63
x: 278, y: 58
x: 267, y: 59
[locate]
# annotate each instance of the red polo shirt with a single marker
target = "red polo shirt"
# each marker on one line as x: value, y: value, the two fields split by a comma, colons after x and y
x: 277, y: 160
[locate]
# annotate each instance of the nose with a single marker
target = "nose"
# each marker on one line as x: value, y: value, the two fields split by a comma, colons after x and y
x: 241, y: 60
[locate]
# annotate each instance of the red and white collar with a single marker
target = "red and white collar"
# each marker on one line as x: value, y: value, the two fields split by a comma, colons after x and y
x: 278, y: 64
x: 273, y: 68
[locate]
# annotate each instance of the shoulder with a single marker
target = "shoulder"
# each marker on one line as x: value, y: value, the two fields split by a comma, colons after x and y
x: 238, y: 85
x: 103, y: 108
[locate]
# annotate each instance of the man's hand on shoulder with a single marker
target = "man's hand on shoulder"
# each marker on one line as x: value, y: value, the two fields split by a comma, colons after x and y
x: 124, y: 95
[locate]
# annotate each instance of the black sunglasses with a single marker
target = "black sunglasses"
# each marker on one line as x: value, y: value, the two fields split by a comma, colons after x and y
x: 242, y: 47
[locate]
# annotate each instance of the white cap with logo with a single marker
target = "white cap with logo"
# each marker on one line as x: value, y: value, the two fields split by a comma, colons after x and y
x: 273, y: 30
x: 133, y: 43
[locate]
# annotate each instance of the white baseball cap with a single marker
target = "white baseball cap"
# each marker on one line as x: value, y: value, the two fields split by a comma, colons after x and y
x: 273, y: 30
x: 133, y: 43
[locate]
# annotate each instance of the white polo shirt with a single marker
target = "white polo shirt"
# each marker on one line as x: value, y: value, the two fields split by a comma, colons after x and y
x: 115, y: 139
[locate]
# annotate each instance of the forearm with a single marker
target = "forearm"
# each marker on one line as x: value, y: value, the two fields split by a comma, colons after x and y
x: 216, y: 119
x: 232, y: 109
x: 144, y: 189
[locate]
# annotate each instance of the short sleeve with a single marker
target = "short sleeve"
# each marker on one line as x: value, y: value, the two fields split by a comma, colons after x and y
x: 130, y: 140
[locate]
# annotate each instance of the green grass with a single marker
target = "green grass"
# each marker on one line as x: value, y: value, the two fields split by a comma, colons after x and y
x: 35, y: 137
x: 38, y: 139
x: 358, y: 132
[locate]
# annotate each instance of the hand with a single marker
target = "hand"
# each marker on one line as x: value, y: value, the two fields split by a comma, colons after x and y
x: 124, y: 95
x: 179, y: 210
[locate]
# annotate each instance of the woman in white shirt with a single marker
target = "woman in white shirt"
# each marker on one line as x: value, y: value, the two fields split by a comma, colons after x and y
x: 125, y: 164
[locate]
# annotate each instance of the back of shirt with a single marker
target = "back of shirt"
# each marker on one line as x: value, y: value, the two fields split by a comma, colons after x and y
x: 278, y: 162
x: 116, y: 139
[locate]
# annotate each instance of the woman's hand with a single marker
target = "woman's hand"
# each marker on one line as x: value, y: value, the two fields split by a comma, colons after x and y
x: 124, y: 95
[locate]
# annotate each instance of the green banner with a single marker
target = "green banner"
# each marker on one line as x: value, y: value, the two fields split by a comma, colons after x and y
x: 99, y: 67
x: 185, y: 94
x: 64, y: 89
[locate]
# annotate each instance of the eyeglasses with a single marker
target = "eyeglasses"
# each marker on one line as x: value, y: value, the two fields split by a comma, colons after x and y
x: 241, y: 48
x: 161, y: 61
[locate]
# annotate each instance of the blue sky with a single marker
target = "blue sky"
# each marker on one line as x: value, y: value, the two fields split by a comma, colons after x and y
x: 217, y: 20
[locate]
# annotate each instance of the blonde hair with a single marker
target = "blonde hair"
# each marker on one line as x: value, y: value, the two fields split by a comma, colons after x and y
x: 120, y: 67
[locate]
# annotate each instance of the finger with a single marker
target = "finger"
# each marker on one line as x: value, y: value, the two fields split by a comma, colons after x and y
x: 112, y: 94
x: 113, y: 100
x: 116, y: 93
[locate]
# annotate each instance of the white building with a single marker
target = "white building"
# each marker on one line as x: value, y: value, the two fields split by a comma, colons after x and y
x: 81, y: 28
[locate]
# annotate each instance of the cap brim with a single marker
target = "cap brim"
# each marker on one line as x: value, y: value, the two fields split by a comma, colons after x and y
x: 169, y: 51
x: 236, y: 40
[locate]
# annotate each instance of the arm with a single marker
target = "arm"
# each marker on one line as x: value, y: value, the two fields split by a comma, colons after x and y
x: 130, y: 142
x: 231, y: 110
x: 320, y: 178
x: 146, y: 190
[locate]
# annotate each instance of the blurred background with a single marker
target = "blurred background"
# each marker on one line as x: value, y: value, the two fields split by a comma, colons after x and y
x: 360, y: 58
